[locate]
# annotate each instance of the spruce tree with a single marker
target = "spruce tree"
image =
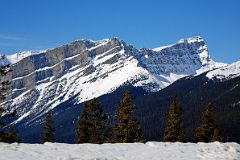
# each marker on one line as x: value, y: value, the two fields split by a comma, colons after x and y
x: 92, y: 125
x: 175, y: 129
x: 207, y: 131
x: 48, y: 131
x: 126, y: 129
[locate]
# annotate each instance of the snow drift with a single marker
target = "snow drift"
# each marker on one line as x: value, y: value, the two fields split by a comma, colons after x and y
x: 124, y: 151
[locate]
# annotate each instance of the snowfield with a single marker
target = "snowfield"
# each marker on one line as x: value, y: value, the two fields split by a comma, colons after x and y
x: 123, y: 151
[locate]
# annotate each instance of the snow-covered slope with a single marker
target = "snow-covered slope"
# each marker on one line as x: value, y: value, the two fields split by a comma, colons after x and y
x: 85, y: 69
x: 124, y: 151
x: 226, y: 72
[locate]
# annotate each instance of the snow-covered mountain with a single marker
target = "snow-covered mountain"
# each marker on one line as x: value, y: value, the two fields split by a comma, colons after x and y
x: 85, y: 69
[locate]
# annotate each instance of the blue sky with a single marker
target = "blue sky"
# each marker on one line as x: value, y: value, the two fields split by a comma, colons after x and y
x: 41, y: 24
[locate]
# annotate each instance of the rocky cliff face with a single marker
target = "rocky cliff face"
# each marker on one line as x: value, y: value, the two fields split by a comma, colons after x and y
x: 86, y: 69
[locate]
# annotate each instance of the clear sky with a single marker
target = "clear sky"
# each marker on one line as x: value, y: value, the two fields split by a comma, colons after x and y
x: 42, y: 24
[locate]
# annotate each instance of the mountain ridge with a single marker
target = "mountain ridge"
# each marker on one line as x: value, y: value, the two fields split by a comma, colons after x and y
x: 43, y: 80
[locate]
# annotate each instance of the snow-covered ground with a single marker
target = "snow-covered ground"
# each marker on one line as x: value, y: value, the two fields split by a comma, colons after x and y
x: 134, y: 151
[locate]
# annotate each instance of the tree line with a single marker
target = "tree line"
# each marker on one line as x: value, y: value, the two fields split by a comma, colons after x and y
x: 93, y: 125
x: 207, y: 130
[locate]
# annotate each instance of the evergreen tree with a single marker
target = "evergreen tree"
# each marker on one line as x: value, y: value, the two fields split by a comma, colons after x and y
x: 175, y: 128
x: 48, y: 131
x: 92, y: 125
x: 207, y: 131
x: 126, y: 129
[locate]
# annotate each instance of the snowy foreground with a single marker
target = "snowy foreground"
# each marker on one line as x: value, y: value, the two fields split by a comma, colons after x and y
x: 135, y: 151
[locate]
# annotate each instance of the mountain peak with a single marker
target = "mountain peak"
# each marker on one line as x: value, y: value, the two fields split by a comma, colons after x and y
x: 201, y: 48
x: 191, y: 39
x: 104, y: 40
x: 93, y: 41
